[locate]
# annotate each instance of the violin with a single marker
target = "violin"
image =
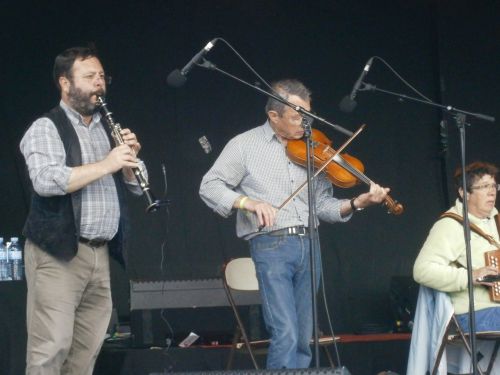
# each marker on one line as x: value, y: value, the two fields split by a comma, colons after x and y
x: 345, y: 172
x: 296, y: 152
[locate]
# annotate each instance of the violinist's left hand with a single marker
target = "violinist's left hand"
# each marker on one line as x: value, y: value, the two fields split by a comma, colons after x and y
x: 376, y: 195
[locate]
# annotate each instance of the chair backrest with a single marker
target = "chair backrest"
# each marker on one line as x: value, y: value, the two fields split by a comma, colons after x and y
x: 240, y: 274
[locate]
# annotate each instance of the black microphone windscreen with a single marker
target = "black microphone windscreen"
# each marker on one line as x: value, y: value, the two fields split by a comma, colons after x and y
x: 176, y: 79
x: 347, y: 104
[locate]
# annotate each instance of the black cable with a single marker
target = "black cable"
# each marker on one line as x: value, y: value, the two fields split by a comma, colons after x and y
x: 328, y: 317
x: 164, y: 200
x: 402, y: 79
x: 246, y: 63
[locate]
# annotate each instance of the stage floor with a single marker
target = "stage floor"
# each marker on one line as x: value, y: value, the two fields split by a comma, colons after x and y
x: 361, y: 354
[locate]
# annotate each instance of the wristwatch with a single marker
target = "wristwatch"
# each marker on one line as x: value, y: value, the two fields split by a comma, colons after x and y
x: 353, y: 206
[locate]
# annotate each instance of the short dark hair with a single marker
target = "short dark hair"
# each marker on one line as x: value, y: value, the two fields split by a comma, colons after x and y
x: 285, y: 88
x: 473, y: 172
x: 65, y: 60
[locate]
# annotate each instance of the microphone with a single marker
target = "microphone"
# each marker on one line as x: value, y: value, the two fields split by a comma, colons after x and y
x: 177, y: 77
x: 347, y: 104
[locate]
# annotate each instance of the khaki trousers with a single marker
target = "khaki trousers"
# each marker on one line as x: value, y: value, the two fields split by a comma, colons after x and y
x: 68, y: 310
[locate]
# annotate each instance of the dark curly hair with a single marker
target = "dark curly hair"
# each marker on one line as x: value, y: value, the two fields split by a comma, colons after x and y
x: 473, y: 172
x: 63, y: 63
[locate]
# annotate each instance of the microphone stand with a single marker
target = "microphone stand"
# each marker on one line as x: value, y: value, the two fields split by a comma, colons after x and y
x: 313, y: 232
x: 460, y: 116
x: 313, y: 243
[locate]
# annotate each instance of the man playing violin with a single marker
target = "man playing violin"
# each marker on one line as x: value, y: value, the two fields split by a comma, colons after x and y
x: 253, y: 176
x: 441, y: 263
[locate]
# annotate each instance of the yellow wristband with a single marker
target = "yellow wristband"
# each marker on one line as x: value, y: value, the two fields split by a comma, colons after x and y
x: 242, y: 202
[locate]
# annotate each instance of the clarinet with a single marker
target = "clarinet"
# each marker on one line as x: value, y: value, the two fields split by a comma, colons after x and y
x: 152, y: 203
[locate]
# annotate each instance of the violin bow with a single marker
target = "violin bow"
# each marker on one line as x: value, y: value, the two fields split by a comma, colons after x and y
x: 320, y: 169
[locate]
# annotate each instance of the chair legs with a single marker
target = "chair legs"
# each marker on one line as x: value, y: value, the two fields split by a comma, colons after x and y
x: 241, y: 328
x: 454, y: 323
x: 493, y: 357
x: 329, y: 356
x: 236, y: 339
x: 441, y: 350
x: 240, y: 332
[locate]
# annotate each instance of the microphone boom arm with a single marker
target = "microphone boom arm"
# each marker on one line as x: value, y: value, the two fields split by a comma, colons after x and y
x: 447, y: 108
x: 209, y: 65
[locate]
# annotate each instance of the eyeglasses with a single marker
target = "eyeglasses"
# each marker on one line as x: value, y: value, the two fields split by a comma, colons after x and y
x: 486, y: 187
x: 92, y: 76
x: 302, y: 120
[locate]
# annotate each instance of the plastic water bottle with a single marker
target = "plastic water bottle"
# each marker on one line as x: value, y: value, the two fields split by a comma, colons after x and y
x: 16, y: 259
x: 3, y: 261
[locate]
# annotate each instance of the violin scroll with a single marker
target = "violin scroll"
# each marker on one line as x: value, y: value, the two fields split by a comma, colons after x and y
x: 393, y: 207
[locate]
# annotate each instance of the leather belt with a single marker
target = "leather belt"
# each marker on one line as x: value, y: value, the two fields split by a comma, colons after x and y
x: 290, y: 231
x: 96, y: 242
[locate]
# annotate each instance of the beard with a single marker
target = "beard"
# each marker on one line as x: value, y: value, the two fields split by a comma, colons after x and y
x: 80, y: 101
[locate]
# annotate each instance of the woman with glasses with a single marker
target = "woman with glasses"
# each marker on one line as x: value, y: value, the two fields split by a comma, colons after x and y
x: 441, y: 263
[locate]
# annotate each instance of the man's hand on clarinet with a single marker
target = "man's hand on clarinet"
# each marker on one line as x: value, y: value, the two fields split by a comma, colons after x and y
x: 130, y: 139
x: 121, y: 156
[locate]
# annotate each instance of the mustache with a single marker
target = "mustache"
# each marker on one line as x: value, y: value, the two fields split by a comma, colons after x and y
x: 98, y: 93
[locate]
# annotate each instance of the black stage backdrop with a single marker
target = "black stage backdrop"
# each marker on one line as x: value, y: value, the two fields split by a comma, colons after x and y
x: 449, y: 50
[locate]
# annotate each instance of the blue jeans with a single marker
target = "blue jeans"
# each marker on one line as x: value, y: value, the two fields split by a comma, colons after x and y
x: 486, y: 320
x: 282, y: 266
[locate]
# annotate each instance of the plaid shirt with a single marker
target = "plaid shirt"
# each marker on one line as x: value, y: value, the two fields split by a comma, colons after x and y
x: 45, y: 158
x: 255, y: 164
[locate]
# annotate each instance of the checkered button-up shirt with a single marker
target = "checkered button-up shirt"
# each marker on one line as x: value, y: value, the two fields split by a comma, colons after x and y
x: 45, y: 158
x: 255, y: 164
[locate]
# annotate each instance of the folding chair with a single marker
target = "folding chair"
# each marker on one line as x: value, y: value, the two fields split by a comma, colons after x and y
x: 239, y: 276
x: 454, y: 334
x: 435, y: 326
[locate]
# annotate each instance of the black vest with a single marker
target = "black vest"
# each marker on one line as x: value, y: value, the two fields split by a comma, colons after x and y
x: 53, y: 223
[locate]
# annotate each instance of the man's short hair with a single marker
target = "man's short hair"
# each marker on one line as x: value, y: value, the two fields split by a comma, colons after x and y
x: 63, y: 63
x: 285, y: 88
x: 473, y: 172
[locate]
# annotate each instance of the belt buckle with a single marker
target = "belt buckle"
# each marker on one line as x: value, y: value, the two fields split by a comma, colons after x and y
x: 95, y: 243
x: 299, y: 230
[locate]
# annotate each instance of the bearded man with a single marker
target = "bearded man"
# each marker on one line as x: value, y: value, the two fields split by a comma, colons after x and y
x: 77, y: 218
